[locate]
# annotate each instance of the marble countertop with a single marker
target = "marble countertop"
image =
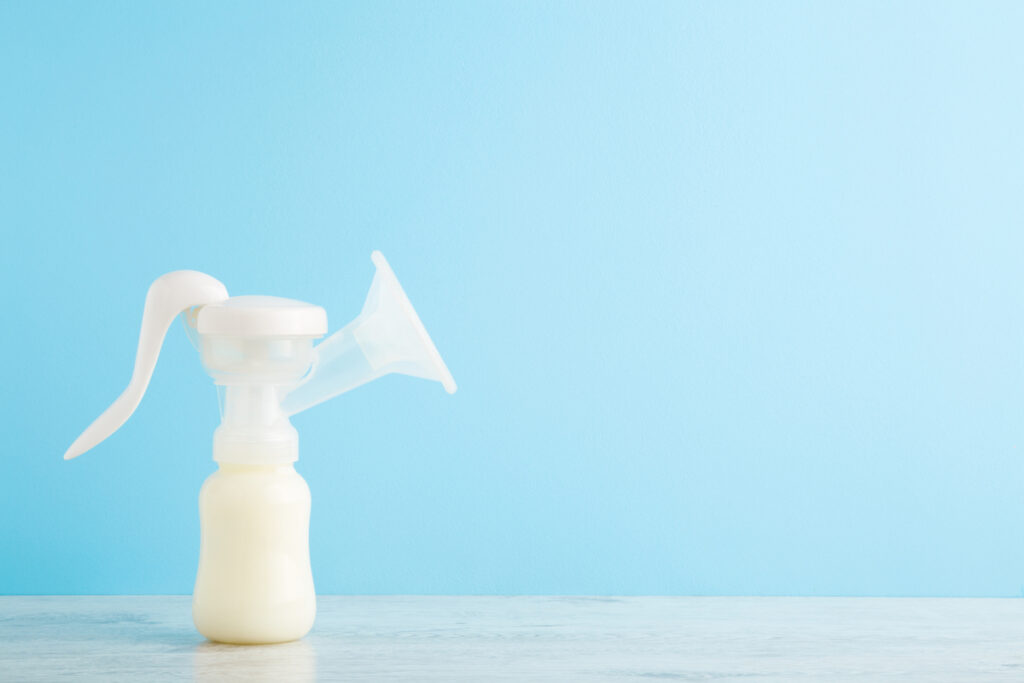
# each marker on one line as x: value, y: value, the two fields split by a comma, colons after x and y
x: 754, y: 640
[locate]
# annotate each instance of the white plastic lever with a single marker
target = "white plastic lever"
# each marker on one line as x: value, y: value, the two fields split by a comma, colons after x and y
x: 168, y: 296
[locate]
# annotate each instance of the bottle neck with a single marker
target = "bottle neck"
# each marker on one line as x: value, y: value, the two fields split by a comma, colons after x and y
x: 253, y: 428
x: 237, y: 468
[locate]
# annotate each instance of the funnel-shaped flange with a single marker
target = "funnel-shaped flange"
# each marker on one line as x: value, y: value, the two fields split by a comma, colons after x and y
x: 387, y: 337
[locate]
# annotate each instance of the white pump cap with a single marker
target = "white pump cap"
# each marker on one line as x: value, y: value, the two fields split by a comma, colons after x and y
x: 262, y: 316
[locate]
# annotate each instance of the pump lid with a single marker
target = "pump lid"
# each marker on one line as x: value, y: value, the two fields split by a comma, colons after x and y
x: 262, y: 316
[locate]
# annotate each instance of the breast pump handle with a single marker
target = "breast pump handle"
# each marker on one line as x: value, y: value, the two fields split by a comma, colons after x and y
x: 168, y: 296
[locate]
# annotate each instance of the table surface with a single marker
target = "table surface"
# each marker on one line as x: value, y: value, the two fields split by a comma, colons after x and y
x: 396, y: 638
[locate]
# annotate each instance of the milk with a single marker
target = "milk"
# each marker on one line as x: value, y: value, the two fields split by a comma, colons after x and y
x: 254, y: 583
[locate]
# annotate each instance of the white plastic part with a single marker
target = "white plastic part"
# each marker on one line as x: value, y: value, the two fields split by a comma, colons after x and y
x: 255, y: 348
x: 386, y: 337
x: 262, y: 316
x: 168, y: 296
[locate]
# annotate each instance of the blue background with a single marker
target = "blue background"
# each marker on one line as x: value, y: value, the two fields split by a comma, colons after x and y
x: 732, y: 291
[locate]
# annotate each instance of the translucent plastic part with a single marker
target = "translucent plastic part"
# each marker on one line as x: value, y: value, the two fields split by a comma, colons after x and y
x: 168, y: 296
x: 387, y: 337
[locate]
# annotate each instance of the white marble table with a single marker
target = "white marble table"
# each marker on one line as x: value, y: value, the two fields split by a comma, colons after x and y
x: 754, y: 640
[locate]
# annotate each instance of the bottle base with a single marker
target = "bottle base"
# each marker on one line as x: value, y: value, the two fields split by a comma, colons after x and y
x: 225, y: 637
x: 244, y: 643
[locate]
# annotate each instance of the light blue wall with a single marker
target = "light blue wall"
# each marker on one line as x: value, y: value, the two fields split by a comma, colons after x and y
x: 733, y: 291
